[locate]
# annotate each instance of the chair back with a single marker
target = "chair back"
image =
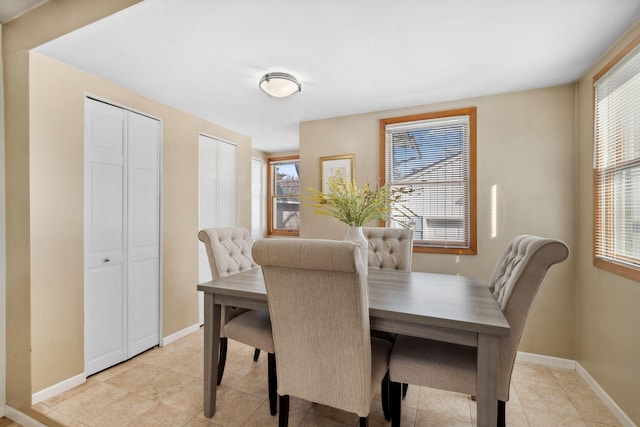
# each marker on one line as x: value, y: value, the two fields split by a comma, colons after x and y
x: 389, y: 248
x: 228, y: 249
x: 515, y: 282
x: 319, y: 308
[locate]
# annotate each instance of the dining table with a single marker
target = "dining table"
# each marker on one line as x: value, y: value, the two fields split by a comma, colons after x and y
x: 443, y: 307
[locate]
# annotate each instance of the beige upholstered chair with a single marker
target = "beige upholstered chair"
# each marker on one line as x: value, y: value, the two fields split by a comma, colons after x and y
x: 514, y: 283
x: 229, y: 252
x: 320, y: 317
x: 389, y: 248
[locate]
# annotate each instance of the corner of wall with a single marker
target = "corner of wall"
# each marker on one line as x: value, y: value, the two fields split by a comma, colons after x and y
x: 3, y: 351
x: 606, y: 303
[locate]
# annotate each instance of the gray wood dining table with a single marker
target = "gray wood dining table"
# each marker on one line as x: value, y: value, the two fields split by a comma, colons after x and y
x: 442, y: 307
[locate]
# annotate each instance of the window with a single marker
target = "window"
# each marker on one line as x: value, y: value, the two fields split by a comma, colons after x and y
x: 435, y: 155
x: 283, y: 201
x: 616, y: 164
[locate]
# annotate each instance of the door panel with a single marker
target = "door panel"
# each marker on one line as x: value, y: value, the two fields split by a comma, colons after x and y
x: 207, y: 206
x: 106, y: 127
x: 144, y: 233
x: 104, y: 295
x: 104, y: 204
x: 257, y: 198
x: 143, y: 208
x: 228, y: 181
x: 143, y: 298
x: 208, y: 192
x: 105, y: 222
x: 208, y: 157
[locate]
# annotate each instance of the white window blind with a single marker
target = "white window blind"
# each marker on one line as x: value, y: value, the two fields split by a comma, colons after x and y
x: 617, y: 163
x: 432, y: 157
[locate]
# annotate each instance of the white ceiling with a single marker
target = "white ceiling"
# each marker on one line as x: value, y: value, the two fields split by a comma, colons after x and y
x: 207, y: 56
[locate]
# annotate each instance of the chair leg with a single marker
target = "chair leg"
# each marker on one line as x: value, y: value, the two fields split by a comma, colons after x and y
x: 283, y: 419
x: 222, y: 359
x: 405, y: 387
x: 502, y: 412
x: 256, y: 354
x: 364, y: 421
x: 395, y: 397
x: 384, y: 393
x: 273, y: 383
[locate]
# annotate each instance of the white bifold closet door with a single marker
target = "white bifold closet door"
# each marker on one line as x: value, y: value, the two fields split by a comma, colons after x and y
x: 122, y: 234
x: 217, y: 186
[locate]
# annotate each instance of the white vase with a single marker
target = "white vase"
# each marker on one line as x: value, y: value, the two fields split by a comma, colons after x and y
x: 355, y: 234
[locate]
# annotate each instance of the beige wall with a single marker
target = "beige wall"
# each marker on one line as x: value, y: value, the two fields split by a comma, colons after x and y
x: 526, y: 148
x: 40, y: 25
x: 3, y: 330
x: 44, y: 193
x: 259, y: 155
x: 608, y: 315
x: 57, y: 229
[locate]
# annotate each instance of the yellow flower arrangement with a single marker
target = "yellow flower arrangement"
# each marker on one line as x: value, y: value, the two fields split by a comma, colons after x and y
x: 356, y: 206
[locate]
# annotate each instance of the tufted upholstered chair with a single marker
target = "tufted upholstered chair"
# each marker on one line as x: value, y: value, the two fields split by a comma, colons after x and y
x: 319, y: 307
x: 515, y: 281
x: 389, y: 248
x: 229, y: 252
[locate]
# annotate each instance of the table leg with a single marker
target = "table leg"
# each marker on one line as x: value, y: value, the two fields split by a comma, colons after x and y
x: 487, y: 380
x: 211, y: 350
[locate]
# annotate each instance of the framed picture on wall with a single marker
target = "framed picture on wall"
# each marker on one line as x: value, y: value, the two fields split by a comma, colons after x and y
x: 344, y: 164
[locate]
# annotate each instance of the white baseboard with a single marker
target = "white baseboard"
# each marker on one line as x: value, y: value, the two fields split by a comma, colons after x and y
x: 553, y: 362
x: 556, y: 362
x: 68, y: 384
x: 56, y: 389
x: 182, y: 333
x: 2, y: 410
x: 608, y: 401
x: 21, y: 418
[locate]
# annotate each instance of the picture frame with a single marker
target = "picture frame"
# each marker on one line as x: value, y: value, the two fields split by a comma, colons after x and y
x: 329, y: 165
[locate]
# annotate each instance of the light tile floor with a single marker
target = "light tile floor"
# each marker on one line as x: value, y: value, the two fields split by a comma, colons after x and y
x: 6, y: 422
x: 164, y: 386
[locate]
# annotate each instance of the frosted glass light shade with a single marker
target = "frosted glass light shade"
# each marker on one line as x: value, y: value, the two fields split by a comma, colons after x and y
x: 279, y: 85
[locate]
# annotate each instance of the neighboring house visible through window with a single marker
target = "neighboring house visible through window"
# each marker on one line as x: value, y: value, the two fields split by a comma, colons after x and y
x: 283, y: 201
x: 435, y: 155
x: 616, y: 168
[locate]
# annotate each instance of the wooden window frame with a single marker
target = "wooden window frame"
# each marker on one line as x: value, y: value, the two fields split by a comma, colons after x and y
x: 270, y: 198
x: 611, y: 266
x: 473, y: 197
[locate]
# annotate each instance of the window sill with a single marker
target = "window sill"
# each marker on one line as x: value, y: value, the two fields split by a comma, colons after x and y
x: 284, y: 233
x: 619, y: 269
x: 437, y: 250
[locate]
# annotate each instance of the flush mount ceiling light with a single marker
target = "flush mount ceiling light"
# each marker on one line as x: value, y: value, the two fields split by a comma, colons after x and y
x: 279, y: 85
